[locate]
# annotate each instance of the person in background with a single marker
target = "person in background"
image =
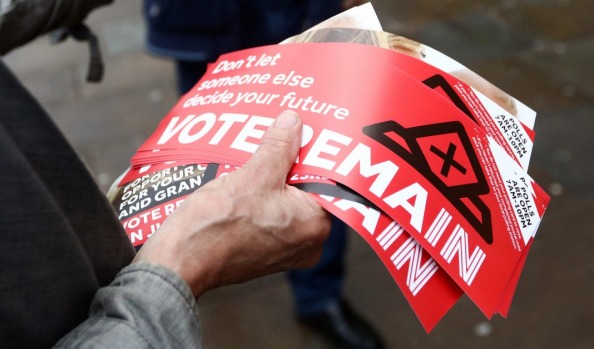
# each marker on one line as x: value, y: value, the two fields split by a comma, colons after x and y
x: 194, y: 33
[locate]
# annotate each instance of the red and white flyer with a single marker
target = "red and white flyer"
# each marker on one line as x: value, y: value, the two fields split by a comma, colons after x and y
x: 499, y: 114
x: 429, y: 160
x: 427, y: 169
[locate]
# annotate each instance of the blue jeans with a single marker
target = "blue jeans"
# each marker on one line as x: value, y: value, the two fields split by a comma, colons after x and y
x: 315, y: 288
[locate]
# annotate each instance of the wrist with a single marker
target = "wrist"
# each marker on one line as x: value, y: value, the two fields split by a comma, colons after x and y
x: 189, y: 243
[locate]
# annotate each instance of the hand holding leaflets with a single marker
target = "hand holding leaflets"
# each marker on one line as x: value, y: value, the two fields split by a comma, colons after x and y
x: 419, y: 155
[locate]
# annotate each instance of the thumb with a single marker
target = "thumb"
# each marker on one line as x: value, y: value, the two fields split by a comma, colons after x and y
x: 278, y: 149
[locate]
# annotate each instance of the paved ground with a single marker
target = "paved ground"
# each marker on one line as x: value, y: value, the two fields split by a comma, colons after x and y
x: 539, y: 51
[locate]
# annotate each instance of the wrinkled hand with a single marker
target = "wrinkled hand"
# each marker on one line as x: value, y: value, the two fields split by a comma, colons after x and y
x: 244, y: 225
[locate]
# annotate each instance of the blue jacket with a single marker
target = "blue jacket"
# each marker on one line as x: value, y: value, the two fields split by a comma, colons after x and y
x: 201, y: 30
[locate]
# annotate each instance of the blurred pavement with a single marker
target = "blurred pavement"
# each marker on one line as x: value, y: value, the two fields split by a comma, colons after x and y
x: 541, y: 52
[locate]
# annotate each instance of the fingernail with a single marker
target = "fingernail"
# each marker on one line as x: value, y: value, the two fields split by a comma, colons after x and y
x: 286, y: 119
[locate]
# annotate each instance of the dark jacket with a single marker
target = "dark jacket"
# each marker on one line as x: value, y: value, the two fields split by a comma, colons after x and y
x: 201, y: 30
x: 59, y: 238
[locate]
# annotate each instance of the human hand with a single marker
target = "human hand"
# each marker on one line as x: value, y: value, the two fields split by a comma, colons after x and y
x: 244, y: 225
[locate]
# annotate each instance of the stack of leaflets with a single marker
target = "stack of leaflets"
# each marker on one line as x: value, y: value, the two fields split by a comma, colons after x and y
x: 422, y: 157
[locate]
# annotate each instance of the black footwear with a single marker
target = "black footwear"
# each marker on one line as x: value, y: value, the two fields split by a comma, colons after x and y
x: 345, y: 328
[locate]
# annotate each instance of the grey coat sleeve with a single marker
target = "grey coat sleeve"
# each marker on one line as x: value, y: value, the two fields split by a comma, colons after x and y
x: 146, y: 306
